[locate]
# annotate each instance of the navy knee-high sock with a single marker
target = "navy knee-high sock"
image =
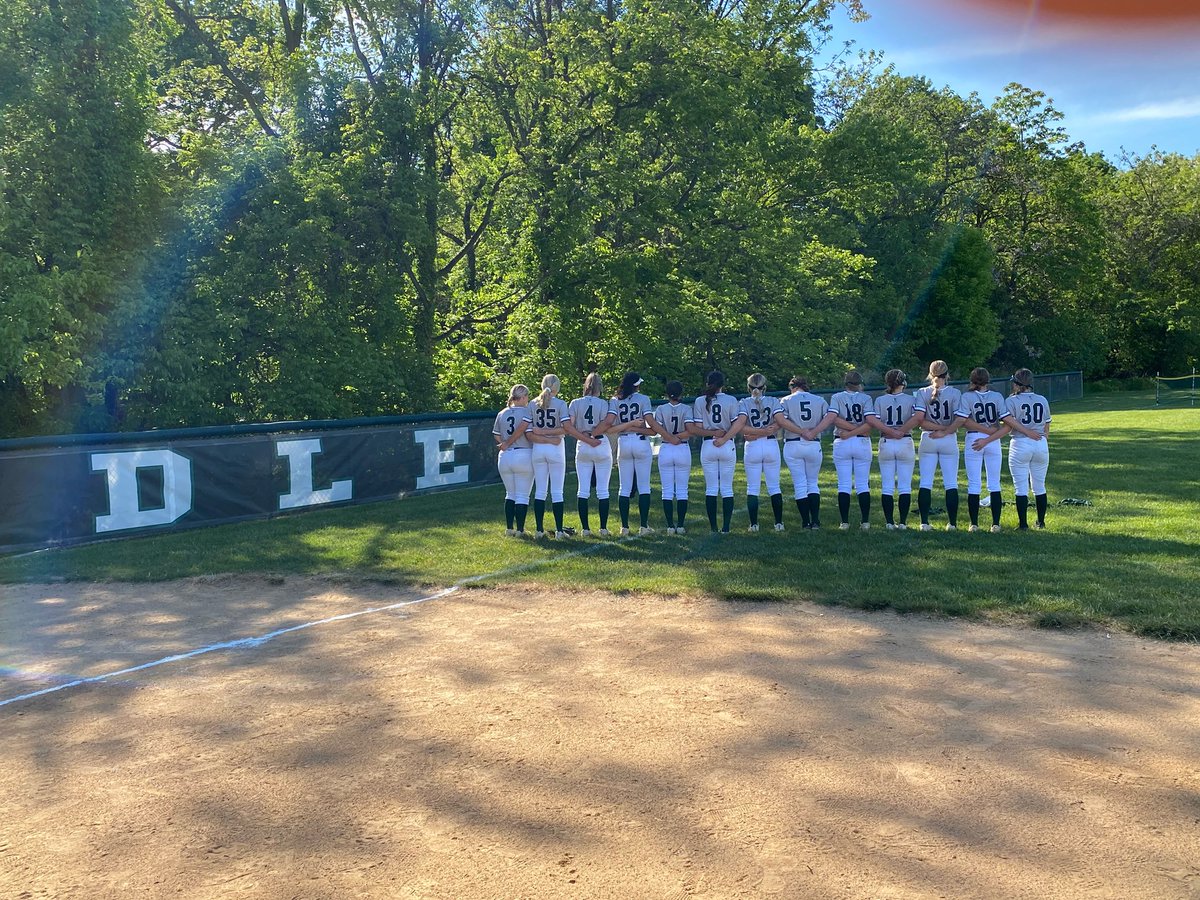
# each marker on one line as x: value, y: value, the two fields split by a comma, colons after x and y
x: 539, y: 514
x: 952, y: 506
x: 710, y: 506
x: 644, y: 509
x: 889, y: 504
x: 844, y: 506
x: 558, y: 515
x: 777, y: 508
x: 510, y: 513
x: 924, y: 502
x: 669, y: 512
x: 802, y: 508
x: 583, y: 514
x: 814, y: 509
x: 681, y: 506
x: 752, y: 508
x: 997, y: 505
x: 973, y: 508
x: 864, y: 506
x: 726, y: 512
x: 623, y: 509
x: 521, y: 510
x: 1022, y: 511
x: 1041, y: 502
x: 905, y: 506
x: 603, y: 505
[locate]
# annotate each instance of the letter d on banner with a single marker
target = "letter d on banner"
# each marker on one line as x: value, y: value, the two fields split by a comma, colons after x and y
x: 124, y: 508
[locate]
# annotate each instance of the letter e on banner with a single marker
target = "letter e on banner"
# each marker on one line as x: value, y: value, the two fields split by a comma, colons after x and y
x: 124, y: 508
x: 431, y: 439
x: 300, y: 477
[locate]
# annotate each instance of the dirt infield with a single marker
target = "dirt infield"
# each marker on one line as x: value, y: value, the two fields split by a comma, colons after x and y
x: 520, y: 743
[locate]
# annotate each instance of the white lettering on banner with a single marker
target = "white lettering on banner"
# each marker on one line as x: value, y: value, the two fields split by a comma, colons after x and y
x: 300, y: 477
x: 435, y: 457
x: 123, y: 508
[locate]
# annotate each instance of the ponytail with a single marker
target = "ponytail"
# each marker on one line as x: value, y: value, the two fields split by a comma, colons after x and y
x: 712, y: 387
x: 550, y: 386
x: 517, y: 392
x: 937, y: 369
x: 757, y: 383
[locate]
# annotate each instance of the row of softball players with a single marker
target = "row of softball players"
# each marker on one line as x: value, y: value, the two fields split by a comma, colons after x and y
x: 530, y: 435
x: 532, y: 453
x: 938, y: 411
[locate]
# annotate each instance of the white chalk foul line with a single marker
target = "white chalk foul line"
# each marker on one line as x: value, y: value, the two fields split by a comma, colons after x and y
x: 239, y: 644
x: 252, y: 642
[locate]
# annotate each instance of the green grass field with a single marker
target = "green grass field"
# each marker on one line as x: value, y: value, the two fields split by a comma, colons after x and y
x: 1129, y: 560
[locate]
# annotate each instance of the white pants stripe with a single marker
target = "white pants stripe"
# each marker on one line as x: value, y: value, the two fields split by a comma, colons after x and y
x: 674, y: 469
x: 852, y: 459
x: 896, y: 460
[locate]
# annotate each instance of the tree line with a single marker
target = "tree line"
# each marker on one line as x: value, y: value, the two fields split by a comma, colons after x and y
x: 235, y: 210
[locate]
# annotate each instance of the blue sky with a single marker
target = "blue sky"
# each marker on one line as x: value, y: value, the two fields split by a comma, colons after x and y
x: 1117, y: 87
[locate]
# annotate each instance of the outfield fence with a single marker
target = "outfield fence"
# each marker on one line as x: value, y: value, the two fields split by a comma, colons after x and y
x: 1175, y: 389
x: 73, y: 489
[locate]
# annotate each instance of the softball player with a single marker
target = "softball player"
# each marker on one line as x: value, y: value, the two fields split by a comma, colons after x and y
x: 897, y: 418
x: 853, y: 414
x: 550, y: 420
x: 936, y: 406
x: 674, y: 456
x: 593, y: 454
x: 798, y: 415
x: 716, y: 423
x: 628, y: 413
x: 983, y: 412
x: 1029, y: 450
x: 760, y: 453
x: 514, y: 462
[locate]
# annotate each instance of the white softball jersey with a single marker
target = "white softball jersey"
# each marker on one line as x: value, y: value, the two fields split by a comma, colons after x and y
x: 760, y: 456
x: 985, y: 408
x: 717, y: 462
x: 586, y: 414
x: 939, y: 412
x: 507, y: 422
x: 549, y: 460
x: 1029, y: 460
x: 634, y: 453
x: 803, y: 457
x: 674, y: 460
x: 514, y: 464
x: 943, y: 452
x: 852, y: 456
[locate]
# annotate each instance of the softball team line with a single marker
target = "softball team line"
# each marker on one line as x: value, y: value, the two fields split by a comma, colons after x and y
x: 530, y: 435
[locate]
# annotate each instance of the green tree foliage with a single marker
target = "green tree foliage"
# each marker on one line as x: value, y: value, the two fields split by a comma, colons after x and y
x: 954, y: 320
x: 1152, y: 214
x: 79, y: 196
x: 228, y: 210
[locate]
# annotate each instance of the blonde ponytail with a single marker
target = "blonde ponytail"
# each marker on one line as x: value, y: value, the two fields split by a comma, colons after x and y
x: 550, y: 386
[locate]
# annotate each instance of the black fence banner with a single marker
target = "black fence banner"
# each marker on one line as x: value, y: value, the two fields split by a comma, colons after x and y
x: 59, y: 495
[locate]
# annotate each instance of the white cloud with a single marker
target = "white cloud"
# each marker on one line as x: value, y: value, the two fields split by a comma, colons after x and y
x: 1181, y: 108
